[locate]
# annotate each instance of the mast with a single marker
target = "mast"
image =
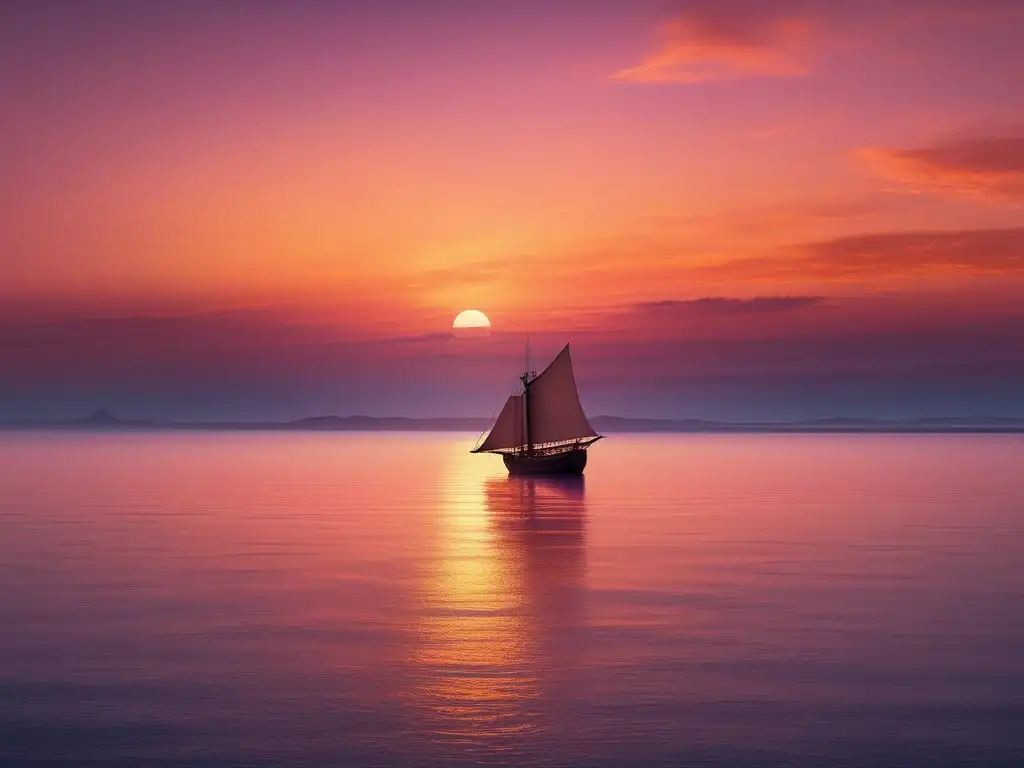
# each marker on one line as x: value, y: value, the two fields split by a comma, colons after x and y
x: 526, y: 398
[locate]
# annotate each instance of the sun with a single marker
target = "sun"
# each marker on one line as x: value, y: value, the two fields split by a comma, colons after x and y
x: 471, y: 318
x: 471, y: 322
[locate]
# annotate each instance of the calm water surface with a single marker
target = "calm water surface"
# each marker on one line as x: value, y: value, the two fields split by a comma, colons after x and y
x: 388, y: 599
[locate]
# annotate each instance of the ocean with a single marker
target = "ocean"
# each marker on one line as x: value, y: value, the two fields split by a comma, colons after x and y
x: 386, y: 599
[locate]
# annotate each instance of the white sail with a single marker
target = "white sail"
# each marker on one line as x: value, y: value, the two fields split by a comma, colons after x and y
x: 509, y: 429
x: 556, y: 414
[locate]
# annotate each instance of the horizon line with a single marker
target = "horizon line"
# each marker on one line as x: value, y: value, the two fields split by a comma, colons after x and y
x: 104, y: 419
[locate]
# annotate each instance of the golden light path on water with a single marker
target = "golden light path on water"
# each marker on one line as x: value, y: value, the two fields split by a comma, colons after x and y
x: 484, y: 654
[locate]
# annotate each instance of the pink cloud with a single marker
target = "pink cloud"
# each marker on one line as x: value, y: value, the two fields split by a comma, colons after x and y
x: 716, y: 41
x: 728, y: 39
x: 991, y: 167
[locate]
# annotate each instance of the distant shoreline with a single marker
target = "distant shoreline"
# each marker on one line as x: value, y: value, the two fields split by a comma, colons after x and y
x: 104, y: 421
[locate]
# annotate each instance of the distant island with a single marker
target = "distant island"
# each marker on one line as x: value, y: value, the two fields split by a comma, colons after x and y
x: 103, y: 419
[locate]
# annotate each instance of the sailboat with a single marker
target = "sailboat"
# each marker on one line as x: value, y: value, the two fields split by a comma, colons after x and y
x: 542, y: 429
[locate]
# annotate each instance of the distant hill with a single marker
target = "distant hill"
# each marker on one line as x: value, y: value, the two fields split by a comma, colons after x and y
x: 623, y: 424
x: 103, y: 419
x: 98, y: 419
x: 834, y: 424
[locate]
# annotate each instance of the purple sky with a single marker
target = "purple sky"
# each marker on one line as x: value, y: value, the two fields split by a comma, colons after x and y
x: 734, y: 210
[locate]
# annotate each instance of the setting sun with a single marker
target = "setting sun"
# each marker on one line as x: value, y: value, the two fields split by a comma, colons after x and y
x: 471, y: 318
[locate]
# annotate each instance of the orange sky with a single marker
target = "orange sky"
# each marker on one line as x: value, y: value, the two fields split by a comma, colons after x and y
x: 370, y: 169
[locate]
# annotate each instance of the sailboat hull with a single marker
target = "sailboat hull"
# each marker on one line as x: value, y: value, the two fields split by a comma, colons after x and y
x: 571, y: 462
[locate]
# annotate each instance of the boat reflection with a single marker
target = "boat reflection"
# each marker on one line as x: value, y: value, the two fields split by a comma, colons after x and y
x: 502, y: 606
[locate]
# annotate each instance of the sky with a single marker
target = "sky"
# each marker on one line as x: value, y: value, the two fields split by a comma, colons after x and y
x: 763, y: 210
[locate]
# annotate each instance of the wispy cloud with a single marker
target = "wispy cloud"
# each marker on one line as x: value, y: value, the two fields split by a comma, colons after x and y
x: 663, y: 273
x: 720, y: 305
x: 990, y: 167
x: 728, y: 39
x: 721, y: 40
x: 879, y: 255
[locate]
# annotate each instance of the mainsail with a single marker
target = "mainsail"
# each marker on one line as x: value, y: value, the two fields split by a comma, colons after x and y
x: 548, y: 412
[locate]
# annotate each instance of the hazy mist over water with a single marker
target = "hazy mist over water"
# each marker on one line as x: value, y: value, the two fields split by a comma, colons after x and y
x: 209, y: 599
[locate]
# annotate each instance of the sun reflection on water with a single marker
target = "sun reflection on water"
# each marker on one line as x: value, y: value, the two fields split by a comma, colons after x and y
x: 503, y: 587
